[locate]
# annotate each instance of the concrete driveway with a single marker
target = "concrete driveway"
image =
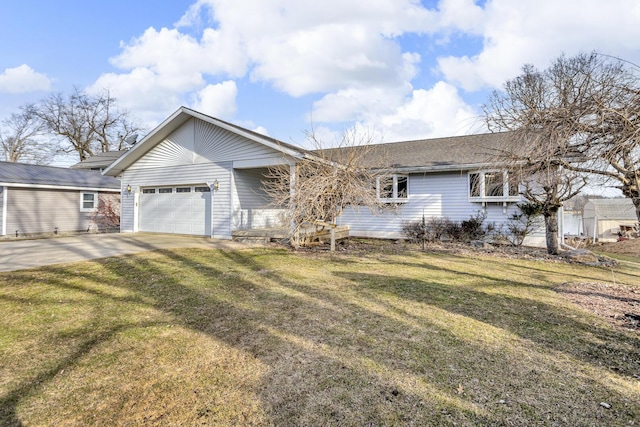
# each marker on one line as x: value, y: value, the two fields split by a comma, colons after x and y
x: 21, y: 254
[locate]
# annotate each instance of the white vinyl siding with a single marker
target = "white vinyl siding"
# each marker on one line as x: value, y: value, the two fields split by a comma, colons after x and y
x: 251, y: 207
x: 199, y: 142
x: 434, y: 195
x: 199, y: 152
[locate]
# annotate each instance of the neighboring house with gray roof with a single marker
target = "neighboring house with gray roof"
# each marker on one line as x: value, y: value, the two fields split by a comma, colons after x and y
x: 604, y: 219
x: 45, y: 199
x: 195, y: 174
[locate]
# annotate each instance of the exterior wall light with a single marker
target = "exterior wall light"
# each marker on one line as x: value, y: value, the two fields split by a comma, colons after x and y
x: 216, y: 185
x: 129, y: 188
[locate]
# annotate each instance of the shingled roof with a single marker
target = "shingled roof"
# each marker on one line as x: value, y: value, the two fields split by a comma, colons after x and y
x: 49, y: 176
x: 99, y: 161
x: 614, y: 209
x: 450, y: 153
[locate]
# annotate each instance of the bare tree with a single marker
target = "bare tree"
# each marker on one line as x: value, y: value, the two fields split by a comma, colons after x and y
x: 320, y: 186
x: 609, y: 141
x: 107, y: 216
x: 20, y: 139
x: 86, y: 124
x: 543, y: 110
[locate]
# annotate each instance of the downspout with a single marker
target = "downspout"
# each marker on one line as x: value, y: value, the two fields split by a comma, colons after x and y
x: 3, y: 226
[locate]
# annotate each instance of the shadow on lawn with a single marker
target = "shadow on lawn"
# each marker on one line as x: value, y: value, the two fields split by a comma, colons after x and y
x: 339, y: 353
x: 10, y: 400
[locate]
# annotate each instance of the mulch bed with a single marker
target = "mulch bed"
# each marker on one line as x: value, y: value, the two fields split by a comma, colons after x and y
x: 619, y: 304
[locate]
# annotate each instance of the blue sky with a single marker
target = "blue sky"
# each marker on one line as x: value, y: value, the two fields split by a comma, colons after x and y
x: 400, y: 69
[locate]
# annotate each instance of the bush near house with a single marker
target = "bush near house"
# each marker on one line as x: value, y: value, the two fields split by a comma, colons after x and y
x: 442, y: 228
x: 435, y: 229
x: 106, y: 218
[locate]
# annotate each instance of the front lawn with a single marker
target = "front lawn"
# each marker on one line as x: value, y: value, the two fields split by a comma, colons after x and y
x: 264, y: 336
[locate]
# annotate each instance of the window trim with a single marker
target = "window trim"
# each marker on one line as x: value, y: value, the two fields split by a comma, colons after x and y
x: 394, y: 196
x: 94, y: 202
x: 483, y: 190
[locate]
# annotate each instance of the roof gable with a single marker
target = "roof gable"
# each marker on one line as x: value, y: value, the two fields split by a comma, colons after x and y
x: 170, y: 129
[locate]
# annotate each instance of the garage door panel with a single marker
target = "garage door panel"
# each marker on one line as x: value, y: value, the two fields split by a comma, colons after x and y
x: 181, y: 213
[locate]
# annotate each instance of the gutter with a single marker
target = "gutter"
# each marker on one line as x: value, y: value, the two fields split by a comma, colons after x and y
x: 442, y: 168
x: 58, y: 187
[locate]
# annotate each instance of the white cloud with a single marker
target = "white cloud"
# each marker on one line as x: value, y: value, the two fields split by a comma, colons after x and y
x: 351, y: 57
x: 461, y: 15
x: 535, y: 32
x: 358, y: 104
x: 432, y: 113
x: 23, y: 79
x: 416, y: 114
x: 217, y: 100
x: 298, y: 47
x: 141, y: 92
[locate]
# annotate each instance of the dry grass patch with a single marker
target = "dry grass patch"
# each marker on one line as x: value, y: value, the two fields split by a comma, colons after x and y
x: 269, y: 337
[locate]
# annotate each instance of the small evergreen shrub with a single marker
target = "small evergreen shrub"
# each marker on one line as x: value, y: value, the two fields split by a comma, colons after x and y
x: 522, y: 223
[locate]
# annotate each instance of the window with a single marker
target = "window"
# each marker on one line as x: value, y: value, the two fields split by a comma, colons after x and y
x: 165, y: 190
x: 183, y: 190
x: 88, y: 202
x: 148, y: 190
x: 492, y: 186
x: 393, y: 188
x: 202, y: 189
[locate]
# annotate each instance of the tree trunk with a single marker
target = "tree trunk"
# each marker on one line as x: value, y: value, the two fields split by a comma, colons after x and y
x: 636, y: 203
x: 632, y: 192
x: 551, y: 225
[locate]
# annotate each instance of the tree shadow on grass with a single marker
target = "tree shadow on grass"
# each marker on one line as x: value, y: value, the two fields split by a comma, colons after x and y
x: 552, y: 327
x: 338, y: 352
x: 10, y: 400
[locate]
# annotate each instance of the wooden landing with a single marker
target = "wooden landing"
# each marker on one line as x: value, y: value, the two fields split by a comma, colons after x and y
x: 306, y: 237
x: 260, y: 234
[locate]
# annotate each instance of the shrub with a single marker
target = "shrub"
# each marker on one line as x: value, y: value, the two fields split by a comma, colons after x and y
x: 438, y: 228
x: 473, y: 228
x: 424, y: 230
x: 415, y: 231
x: 107, y: 216
x: 522, y: 223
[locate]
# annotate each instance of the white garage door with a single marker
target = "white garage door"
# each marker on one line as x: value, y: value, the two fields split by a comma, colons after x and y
x: 177, y: 209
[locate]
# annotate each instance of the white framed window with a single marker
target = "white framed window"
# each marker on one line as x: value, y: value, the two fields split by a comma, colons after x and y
x: 88, y: 201
x: 393, y: 188
x: 492, y: 186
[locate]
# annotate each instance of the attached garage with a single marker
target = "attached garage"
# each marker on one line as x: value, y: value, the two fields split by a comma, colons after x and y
x: 198, y: 175
x: 177, y: 209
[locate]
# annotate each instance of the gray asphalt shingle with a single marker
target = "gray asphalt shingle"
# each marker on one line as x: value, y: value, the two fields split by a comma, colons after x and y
x: 20, y: 173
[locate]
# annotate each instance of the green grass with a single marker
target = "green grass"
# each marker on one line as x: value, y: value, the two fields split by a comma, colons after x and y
x: 269, y: 337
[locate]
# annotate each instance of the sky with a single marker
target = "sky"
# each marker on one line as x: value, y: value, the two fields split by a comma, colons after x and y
x: 395, y: 69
